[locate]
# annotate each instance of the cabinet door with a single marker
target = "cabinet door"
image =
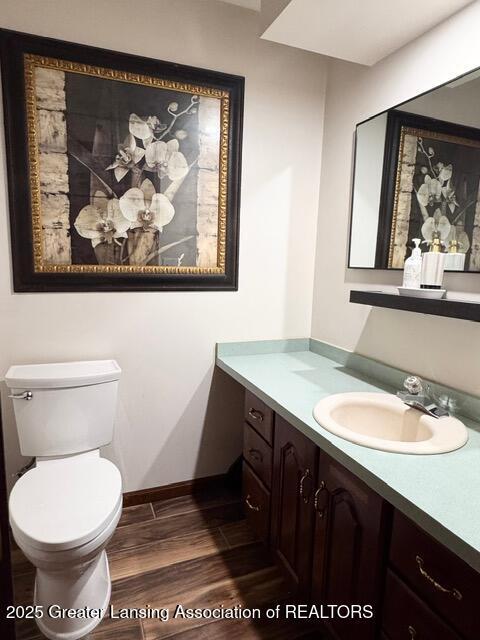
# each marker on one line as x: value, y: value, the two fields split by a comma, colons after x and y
x: 406, y: 616
x: 348, y: 547
x: 256, y: 500
x: 439, y: 577
x: 294, y: 474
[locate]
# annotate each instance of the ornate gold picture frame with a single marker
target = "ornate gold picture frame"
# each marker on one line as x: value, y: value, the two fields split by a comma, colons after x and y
x: 130, y: 172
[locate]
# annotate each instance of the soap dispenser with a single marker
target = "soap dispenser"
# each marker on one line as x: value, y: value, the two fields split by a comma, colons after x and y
x: 412, y: 270
x: 433, y: 265
x: 454, y: 260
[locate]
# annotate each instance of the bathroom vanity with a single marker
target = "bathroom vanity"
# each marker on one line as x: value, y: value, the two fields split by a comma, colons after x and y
x: 348, y: 524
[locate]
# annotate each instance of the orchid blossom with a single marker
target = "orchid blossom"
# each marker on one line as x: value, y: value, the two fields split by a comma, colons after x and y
x: 102, y: 221
x: 146, y: 209
x: 429, y: 192
x: 444, y: 172
x: 166, y: 159
x: 450, y: 197
x: 437, y: 225
x: 146, y: 129
x: 127, y: 157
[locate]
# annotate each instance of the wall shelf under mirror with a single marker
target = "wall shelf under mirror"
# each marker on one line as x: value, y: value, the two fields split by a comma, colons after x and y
x: 459, y: 309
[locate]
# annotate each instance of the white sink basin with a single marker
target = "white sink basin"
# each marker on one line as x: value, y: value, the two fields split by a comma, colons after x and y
x: 382, y: 421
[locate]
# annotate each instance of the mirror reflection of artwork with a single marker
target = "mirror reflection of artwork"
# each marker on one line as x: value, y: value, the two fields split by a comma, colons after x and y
x: 435, y: 171
x: 417, y: 174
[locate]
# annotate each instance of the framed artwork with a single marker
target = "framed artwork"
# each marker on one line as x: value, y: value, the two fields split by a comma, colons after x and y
x: 124, y: 172
x: 430, y: 188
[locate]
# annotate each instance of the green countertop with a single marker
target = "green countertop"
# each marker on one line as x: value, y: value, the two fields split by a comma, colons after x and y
x: 439, y: 492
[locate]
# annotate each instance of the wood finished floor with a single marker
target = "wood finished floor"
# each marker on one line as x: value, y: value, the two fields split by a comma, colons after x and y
x: 196, y: 551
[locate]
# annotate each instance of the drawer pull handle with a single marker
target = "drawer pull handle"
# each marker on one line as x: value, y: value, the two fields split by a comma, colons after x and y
x: 412, y: 631
x: 255, y: 415
x: 321, y: 512
x: 303, y: 495
x: 454, y: 592
x: 255, y: 454
x: 251, y: 506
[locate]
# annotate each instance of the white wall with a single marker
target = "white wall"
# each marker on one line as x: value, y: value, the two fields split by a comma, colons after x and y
x: 447, y: 350
x: 170, y: 426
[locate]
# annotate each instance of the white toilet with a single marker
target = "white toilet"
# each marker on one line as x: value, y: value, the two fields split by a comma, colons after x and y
x: 64, y: 511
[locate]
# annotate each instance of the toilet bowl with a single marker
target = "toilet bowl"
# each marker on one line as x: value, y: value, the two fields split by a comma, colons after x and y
x: 64, y: 511
x: 62, y: 514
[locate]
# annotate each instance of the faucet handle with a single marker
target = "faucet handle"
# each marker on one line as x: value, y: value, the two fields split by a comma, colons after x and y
x: 414, y: 385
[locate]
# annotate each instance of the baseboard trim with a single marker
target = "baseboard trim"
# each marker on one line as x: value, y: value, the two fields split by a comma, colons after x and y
x: 174, y: 490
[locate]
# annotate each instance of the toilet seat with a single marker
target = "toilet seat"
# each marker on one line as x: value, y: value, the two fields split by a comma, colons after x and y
x: 64, y: 503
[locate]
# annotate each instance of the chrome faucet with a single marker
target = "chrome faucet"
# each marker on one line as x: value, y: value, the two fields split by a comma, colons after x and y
x: 418, y: 395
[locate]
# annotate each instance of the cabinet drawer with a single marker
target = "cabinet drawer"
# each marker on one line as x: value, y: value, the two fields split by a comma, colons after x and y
x: 259, y: 416
x: 256, y: 500
x: 437, y: 575
x: 406, y: 617
x: 258, y: 454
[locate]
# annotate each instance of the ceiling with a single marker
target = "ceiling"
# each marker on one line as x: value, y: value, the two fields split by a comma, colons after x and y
x: 358, y: 31
x: 362, y: 32
x: 247, y: 4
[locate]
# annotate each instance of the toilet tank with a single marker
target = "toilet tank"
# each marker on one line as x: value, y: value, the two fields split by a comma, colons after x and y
x: 65, y: 407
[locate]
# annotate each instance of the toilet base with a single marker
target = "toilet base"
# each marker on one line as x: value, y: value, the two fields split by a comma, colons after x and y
x: 85, y: 588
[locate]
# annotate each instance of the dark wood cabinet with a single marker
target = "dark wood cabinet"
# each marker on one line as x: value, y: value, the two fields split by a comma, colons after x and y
x: 258, y: 454
x: 445, y: 583
x: 257, y: 465
x: 349, y: 542
x: 407, y: 617
x: 340, y: 543
x: 259, y: 416
x: 256, y: 500
x: 294, y: 476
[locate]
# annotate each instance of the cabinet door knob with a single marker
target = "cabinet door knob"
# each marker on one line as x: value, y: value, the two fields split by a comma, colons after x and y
x: 318, y: 493
x: 255, y: 454
x: 251, y: 506
x: 421, y: 567
x: 255, y: 415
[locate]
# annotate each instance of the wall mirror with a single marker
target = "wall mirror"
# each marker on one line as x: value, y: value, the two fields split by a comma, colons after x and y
x: 417, y: 175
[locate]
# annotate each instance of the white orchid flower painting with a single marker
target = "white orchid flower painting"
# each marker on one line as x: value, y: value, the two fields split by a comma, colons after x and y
x: 132, y: 212
x: 134, y: 172
x: 437, y: 189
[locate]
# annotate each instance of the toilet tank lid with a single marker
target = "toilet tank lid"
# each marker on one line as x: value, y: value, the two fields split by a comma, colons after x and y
x: 62, y: 374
